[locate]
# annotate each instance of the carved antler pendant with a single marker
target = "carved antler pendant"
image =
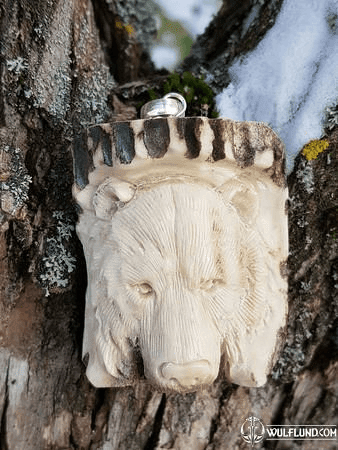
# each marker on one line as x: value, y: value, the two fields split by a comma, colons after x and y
x: 184, y: 230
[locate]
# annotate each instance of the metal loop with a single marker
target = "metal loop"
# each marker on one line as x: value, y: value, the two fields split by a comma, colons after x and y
x: 172, y: 104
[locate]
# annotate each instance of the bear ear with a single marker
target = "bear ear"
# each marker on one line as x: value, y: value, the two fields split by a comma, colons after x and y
x: 110, y: 195
x: 243, y: 197
x: 106, y: 198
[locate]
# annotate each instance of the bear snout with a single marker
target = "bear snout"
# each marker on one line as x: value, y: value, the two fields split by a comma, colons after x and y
x: 189, y: 374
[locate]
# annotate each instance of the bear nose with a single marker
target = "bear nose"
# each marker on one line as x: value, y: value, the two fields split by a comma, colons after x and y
x: 188, y: 374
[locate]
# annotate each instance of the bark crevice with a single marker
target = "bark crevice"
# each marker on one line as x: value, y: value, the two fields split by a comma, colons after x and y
x: 157, y: 425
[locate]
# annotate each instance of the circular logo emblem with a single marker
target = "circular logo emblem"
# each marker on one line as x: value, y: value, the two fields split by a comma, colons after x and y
x: 252, y: 430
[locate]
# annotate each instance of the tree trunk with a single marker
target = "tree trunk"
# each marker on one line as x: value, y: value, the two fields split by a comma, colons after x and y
x: 65, y: 65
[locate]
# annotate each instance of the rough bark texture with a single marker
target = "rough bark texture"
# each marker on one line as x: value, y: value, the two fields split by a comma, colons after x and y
x: 64, y: 65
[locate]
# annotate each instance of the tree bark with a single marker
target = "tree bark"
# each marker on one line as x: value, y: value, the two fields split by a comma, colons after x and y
x: 66, y: 64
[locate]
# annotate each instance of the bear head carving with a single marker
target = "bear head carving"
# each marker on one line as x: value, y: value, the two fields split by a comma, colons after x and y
x: 184, y: 232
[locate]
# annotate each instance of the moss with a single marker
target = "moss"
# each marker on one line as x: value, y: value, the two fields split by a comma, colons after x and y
x: 199, y: 96
x: 152, y: 94
x: 313, y: 148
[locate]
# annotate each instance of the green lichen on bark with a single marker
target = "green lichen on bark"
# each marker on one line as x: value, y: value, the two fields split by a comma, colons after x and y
x: 14, y: 180
x: 57, y: 263
x: 313, y: 148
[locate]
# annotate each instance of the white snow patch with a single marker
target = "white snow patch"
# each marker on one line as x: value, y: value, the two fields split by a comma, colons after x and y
x: 292, y: 75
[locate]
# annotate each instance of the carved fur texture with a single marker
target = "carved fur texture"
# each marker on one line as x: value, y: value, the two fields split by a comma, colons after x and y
x: 183, y: 251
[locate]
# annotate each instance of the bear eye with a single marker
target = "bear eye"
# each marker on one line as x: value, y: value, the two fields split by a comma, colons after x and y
x: 144, y: 288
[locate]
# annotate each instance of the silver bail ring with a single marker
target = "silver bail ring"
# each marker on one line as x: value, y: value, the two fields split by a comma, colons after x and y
x: 172, y: 104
